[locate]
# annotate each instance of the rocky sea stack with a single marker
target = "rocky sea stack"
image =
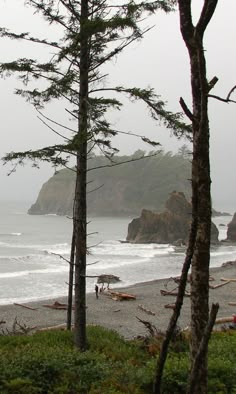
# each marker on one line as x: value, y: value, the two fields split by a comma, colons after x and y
x: 231, y: 232
x: 170, y: 226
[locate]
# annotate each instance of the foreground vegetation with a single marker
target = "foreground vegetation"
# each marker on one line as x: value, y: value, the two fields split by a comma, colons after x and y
x: 47, y: 362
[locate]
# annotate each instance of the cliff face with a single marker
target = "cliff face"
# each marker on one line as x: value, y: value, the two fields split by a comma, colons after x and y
x: 56, y: 196
x: 122, y: 190
x: 170, y: 226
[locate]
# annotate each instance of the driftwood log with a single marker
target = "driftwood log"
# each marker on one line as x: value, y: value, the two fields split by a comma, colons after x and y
x: 227, y: 319
x: 219, y: 285
x: 146, y: 310
x: 57, y: 327
x: 228, y: 279
x: 57, y: 305
x: 116, y: 295
x: 25, y: 306
x: 169, y: 306
x: 173, y: 293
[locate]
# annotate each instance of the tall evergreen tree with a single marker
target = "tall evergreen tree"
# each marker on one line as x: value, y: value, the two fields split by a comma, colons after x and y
x: 93, y: 32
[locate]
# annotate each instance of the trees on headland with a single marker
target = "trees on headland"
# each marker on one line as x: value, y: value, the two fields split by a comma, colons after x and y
x: 119, y: 190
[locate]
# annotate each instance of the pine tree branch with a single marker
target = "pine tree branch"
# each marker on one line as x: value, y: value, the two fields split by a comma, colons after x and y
x: 58, y: 124
x: 123, y: 162
x: 47, y: 12
x: 52, y: 129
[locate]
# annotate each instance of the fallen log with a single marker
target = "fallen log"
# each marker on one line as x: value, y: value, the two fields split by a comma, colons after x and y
x: 169, y: 306
x: 57, y: 305
x: 57, y: 327
x: 173, y: 293
x: 228, y: 319
x: 219, y: 285
x: 25, y: 306
x: 122, y: 296
x: 232, y: 303
x: 228, y: 279
x: 146, y: 310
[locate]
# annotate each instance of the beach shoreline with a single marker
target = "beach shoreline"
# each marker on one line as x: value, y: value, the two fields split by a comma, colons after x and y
x: 123, y: 316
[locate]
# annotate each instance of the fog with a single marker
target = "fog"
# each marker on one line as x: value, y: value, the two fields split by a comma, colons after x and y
x: 160, y: 60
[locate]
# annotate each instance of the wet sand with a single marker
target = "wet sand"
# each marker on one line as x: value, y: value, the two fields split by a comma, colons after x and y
x: 122, y: 316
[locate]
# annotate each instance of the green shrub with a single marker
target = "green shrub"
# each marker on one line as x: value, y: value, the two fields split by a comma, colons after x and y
x: 47, y: 362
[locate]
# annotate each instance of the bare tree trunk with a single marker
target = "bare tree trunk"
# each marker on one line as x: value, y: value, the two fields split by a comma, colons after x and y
x: 193, y: 37
x: 194, y: 376
x: 176, y: 313
x: 71, y: 283
x: 80, y: 217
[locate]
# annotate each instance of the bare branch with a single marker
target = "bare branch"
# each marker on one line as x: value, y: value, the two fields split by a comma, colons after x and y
x: 231, y: 91
x: 206, y: 15
x: 227, y: 99
x: 186, y: 110
x: 212, y: 83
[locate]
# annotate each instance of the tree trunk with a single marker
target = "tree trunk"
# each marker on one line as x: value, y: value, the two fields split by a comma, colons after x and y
x: 71, y: 283
x: 80, y: 212
x: 177, y: 309
x: 201, y: 181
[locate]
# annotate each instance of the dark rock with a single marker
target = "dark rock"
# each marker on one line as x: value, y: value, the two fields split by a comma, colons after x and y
x: 231, y: 232
x: 218, y: 213
x: 170, y: 226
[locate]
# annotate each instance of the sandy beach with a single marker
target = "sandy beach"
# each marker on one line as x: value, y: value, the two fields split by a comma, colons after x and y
x: 122, y: 316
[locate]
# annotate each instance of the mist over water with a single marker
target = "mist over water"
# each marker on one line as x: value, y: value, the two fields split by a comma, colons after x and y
x: 34, y: 249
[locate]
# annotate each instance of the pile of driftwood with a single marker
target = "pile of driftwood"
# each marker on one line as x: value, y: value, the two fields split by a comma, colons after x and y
x: 174, y: 292
x: 119, y: 296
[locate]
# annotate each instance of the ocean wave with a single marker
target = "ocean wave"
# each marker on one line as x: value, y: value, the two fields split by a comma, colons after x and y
x: 223, y: 253
x: 132, y: 250
x: 59, y: 269
x: 10, y: 234
x: 63, y: 248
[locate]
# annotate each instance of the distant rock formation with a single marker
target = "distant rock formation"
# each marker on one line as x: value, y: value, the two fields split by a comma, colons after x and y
x: 118, y: 191
x: 218, y: 213
x: 56, y: 196
x: 231, y: 232
x: 170, y: 226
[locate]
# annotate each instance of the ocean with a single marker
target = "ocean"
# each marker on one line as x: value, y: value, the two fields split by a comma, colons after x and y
x: 33, y: 250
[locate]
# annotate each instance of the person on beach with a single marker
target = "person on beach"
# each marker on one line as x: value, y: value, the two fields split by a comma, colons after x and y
x: 96, y: 290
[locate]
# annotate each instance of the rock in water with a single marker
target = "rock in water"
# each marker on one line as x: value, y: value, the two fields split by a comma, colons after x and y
x: 231, y: 232
x: 170, y: 226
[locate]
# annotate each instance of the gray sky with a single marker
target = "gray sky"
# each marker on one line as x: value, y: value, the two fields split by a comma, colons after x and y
x: 159, y: 61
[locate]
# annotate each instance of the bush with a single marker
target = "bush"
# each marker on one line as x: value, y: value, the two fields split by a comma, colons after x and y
x: 47, y: 362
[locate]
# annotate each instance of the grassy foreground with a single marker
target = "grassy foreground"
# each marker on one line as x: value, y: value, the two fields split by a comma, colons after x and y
x: 46, y: 362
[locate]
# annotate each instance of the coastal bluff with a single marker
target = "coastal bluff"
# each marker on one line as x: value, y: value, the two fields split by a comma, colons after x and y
x: 121, y: 190
x: 170, y: 226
